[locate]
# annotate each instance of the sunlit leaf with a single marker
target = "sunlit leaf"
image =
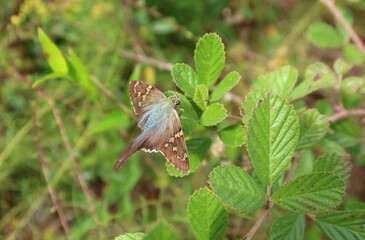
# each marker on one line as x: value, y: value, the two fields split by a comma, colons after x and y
x: 209, y: 59
x: 228, y: 82
x: 213, y: 114
x: 280, y: 82
x: 55, y: 58
x: 273, y: 134
x: 130, y: 236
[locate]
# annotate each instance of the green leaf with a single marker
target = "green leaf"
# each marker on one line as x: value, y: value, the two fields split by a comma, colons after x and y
x: 161, y: 231
x: 272, y: 138
x: 185, y: 78
x: 353, y: 54
x: 201, y: 96
x: 329, y: 146
x: 213, y: 114
x: 323, y: 35
x: 353, y: 85
x: 54, y: 55
x: 209, y: 59
x: 136, y: 74
x: 317, y: 75
x: 313, y: 192
x: 333, y: 163
x: 313, y: 127
x: 208, y: 218
x: 79, y: 72
x: 342, y: 67
x: 50, y: 76
x: 233, y: 136
x: 130, y: 236
x: 249, y: 105
x: 236, y: 188
x: 291, y: 226
x: 279, y: 82
x: 228, y: 82
x: 345, y: 225
x: 198, y: 149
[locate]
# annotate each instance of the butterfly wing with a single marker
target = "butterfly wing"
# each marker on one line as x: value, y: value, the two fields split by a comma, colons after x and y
x: 171, y: 144
x: 144, y: 97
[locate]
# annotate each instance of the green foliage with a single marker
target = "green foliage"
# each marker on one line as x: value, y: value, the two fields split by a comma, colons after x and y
x: 79, y: 118
x: 317, y: 76
x: 313, y: 127
x: 228, y: 82
x: 272, y: 137
x: 280, y: 82
x: 130, y: 236
x: 161, y: 231
x: 236, y: 188
x: 342, y: 224
x: 291, y: 226
x: 213, y: 114
x: 314, y: 192
x: 208, y: 218
x: 233, y: 135
x: 324, y: 35
x: 56, y: 60
x: 209, y: 59
x: 333, y: 163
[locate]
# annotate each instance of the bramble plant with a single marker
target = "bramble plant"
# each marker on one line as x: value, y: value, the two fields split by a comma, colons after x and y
x: 275, y: 128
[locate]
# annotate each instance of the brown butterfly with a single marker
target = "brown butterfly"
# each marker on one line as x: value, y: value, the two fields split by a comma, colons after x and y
x: 160, y: 124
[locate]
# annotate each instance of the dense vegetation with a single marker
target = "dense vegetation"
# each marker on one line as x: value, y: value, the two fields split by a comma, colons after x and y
x: 273, y: 111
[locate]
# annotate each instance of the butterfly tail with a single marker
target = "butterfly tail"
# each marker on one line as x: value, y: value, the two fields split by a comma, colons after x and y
x: 130, y: 150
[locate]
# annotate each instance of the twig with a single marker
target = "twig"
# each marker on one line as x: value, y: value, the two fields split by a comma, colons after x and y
x: 75, y: 164
x: 261, y: 218
x: 343, y: 113
x: 330, y: 4
x: 52, y: 193
x: 107, y: 92
x: 143, y: 58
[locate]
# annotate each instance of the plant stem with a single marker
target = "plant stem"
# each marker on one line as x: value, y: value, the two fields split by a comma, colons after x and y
x: 343, y: 113
x: 330, y: 4
x: 45, y: 170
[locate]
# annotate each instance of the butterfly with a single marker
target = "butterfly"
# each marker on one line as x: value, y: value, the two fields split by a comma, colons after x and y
x: 160, y: 124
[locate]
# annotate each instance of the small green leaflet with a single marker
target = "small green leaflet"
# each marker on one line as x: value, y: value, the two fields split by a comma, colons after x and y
x: 185, y: 78
x: 161, y: 231
x: 209, y: 59
x: 228, y: 82
x: 213, y: 114
x: 130, y: 236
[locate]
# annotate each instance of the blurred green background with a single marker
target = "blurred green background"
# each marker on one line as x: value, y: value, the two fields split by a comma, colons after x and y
x: 116, y: 41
